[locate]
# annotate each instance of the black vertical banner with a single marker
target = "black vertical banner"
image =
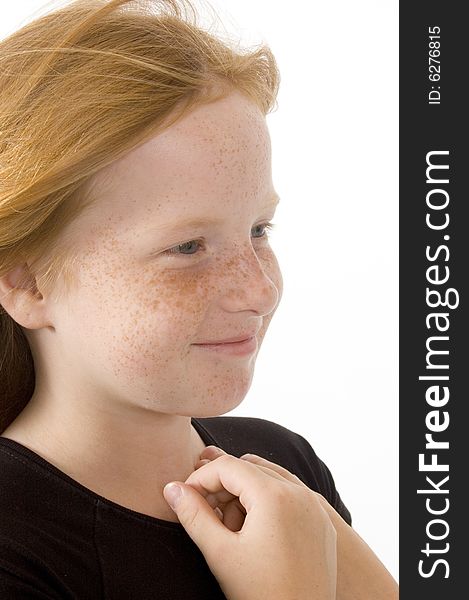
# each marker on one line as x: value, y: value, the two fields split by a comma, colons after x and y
x: 433, y: 262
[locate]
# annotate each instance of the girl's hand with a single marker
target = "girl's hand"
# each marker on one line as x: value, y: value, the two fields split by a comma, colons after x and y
x: 360, y: 574
x: 273, y: 539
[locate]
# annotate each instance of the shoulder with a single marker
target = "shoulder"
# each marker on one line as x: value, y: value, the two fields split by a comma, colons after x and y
x: 278, y: 444
x: 238, y: 435
x: 237, y: 432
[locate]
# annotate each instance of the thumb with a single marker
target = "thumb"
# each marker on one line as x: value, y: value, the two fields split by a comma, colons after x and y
x: 196, y: 516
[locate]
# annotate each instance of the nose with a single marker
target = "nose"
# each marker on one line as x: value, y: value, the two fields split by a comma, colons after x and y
x: 247, y: 285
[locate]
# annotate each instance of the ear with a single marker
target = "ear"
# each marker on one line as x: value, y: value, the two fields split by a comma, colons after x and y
x: 22, y: 300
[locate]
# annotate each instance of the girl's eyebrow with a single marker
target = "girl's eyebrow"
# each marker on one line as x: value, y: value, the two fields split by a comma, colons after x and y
x: 187, y: 224
x: 195, y: 223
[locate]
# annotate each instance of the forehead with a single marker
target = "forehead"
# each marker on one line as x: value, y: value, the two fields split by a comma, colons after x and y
x: 215, y: 162
x: 214, y: 159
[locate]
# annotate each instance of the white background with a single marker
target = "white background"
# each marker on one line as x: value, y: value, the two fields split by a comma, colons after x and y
x: 328, y: 367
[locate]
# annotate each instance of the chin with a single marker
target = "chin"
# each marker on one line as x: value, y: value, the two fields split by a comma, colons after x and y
x: 217, y: 407
x: 211, y: 412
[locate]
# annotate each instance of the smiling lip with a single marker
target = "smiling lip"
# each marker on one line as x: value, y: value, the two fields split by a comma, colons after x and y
x: 232, y: 340
x: 237, y: 348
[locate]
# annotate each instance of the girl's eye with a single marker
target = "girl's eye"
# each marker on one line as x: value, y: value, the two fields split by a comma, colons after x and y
x: 267, y: 228
x: 181, y: 248
x: 190, y: 248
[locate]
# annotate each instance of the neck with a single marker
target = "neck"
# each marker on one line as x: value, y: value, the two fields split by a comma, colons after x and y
x: 126, y: 455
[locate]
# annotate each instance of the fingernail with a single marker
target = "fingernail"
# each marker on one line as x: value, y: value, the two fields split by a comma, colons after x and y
x: 172, y: 494
x: 217, y: 450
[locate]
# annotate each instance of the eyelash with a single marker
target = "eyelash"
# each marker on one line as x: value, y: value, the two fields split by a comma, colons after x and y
x: 269, y: 226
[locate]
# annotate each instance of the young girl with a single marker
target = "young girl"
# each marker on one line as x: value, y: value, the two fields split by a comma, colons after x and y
x: 136, y: 287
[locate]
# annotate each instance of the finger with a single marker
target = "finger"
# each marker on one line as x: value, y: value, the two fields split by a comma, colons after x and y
x: 260, y: 461
x: 243, y: 480
x: 222, y: 495
x: 211, y: 499
x: 200, y: 522
x: 234, y: 515
x: 212, y: 452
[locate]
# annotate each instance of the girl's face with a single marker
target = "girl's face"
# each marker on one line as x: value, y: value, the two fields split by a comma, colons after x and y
x: 174, y: 253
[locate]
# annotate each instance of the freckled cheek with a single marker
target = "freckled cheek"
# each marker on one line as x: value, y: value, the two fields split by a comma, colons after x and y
x: 172, y: 305
x: 137, y: 314
x: 155, y: 326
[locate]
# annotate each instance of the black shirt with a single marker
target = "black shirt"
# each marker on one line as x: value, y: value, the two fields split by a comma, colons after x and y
x: 60, y: 540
